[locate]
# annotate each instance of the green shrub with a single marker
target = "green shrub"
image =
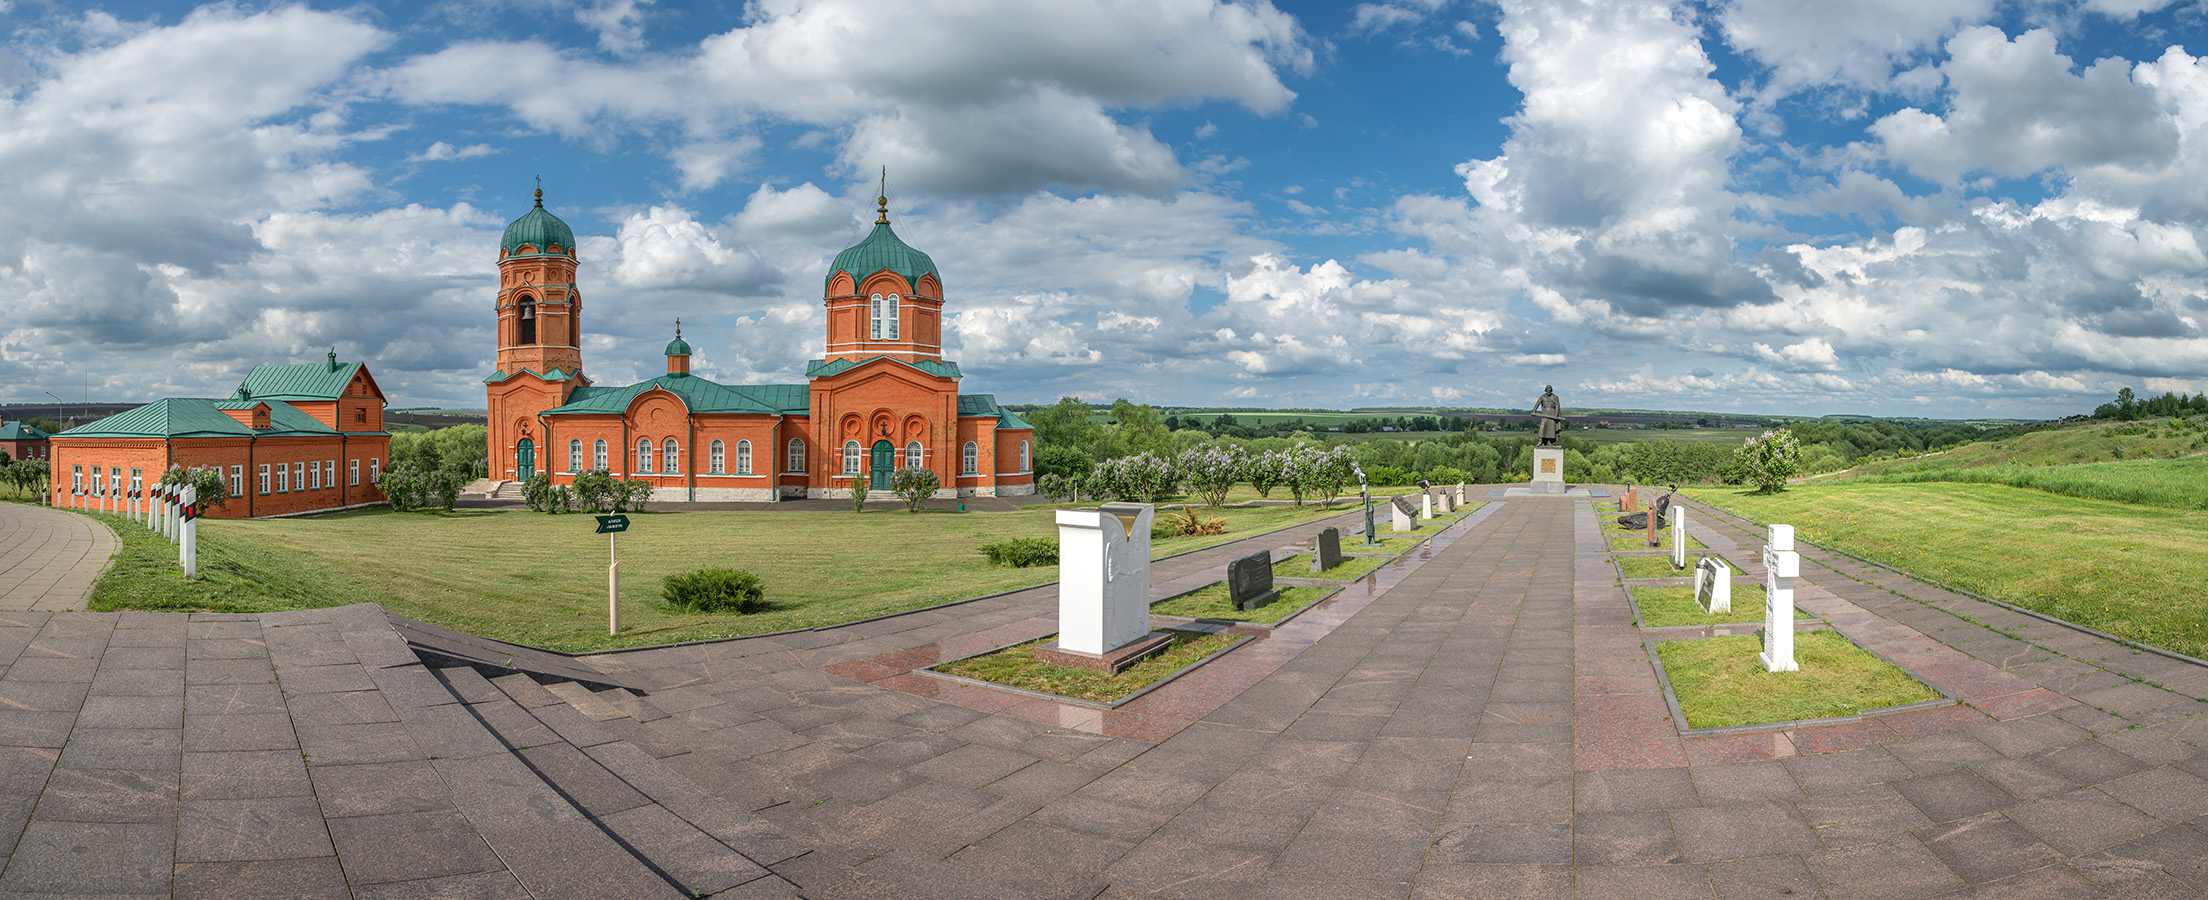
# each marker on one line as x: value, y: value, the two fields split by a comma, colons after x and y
x: 715, y: 590
x: 914, y: 485
x: 1020, y: 553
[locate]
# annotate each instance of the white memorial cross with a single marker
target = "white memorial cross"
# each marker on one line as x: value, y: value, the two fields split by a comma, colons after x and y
x: 1678, y: 536
x: 1104, y: 576
x: 1780, y: 565
x: 1713, y: 585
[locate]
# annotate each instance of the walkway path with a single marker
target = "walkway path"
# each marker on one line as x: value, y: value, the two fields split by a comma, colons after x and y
x: 1479, y: 720
x: 49, y: 558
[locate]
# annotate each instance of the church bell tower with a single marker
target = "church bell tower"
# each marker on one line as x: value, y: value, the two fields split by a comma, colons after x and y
x: 540, y: 347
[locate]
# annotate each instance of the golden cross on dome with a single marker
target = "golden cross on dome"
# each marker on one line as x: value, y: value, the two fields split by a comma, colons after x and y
x: 883, y: 199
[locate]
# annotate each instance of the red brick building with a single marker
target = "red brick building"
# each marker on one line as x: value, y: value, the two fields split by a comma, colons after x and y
x: 882, y: 398
x: 291, y: 439
x: 20, y: 441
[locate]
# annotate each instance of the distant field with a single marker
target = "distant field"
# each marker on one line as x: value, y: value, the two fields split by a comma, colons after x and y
x: 2173, y: 483
x: 2123, y: 568
x: 1697, y: 435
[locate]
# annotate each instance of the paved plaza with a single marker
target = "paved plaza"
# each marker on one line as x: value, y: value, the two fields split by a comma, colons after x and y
x: 1476, y: 720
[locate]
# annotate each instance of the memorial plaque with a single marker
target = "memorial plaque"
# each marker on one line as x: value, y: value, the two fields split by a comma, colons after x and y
x: 1403, y: 505
x: 1713, y: 585
x: 1328, y: 553
x: 1250, y: 581
x: 1548, y: 466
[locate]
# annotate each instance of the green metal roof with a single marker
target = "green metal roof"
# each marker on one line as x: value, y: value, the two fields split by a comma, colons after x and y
x: 699, y: 394
x: 199, y: 417
x: 17, y: 431
x: 678, y: 347
x: 972, y: 405
x: 821, y: 368
x: 554, y: 375
x: 883, y: 250
x: 538, y: 229
x: 304, y: 381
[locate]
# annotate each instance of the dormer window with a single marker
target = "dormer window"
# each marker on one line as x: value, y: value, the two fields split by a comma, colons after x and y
x: 528, y: 320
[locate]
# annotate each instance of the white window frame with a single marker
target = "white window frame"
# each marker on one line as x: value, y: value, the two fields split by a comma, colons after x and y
x: 115, y: 479
x: 743, y: 457
x: 353, y: 468
x: 314, y: 477
x: 716, y: 457
x: 894, y: 315
x: 574, y: 455
x: 598, y: 455
x: 970, y: 459
x: 329, y: 474
x: 299, y: 477
x: 796, y: 455
x: 375, y: 470
x: 264, y: 479
x: 670, y: 457
x: 644, y: 453
x: 851, y: 457
x: 99, y: 482
x: 914, y: 455
x: 1023, y: 456
x: 237, y: 481
x: 874, y: 319
x: 76, y: 479
x: 283, y: 478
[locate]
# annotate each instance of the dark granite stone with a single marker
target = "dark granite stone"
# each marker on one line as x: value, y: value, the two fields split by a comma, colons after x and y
x: 1328, y: 554
x: 1250, y: 580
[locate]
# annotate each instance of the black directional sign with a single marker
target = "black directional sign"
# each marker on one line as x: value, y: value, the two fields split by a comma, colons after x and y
x: 612, y: 524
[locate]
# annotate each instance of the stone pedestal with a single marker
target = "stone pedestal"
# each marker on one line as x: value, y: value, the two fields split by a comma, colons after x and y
x: 1548, y: 470
x: 1425, y: 506
x: 1103, y: 582
x: 1780, y: 565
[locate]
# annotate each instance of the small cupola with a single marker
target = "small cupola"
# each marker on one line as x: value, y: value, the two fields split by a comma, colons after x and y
x: 539, y: 232
x: 678, y: 353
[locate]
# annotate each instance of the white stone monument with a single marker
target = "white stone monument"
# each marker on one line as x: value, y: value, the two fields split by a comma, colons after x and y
x: 1402, y: 520
x: 1104, y: 587
x: 1780, y: 565
x: 1713, y: 585
x: 1548, y: 470
x: 1425, y: 505
x: 1678, y: 536
x: 1460, y: 494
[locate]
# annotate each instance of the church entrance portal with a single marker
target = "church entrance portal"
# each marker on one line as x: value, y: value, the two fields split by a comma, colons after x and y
x: 885, y: 458
x: 525, y: 459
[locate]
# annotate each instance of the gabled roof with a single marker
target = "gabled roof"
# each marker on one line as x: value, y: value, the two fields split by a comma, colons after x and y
x: 303, y: 381
x: 699, y: 394
x: 821, y: 368
x: 199, y: 417
x: 974, y: 405
x: 17, y: 431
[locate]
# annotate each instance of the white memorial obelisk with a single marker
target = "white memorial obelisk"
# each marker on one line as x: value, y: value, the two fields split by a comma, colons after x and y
x: 1103, y: 584
x: 1780, y: 566
x: 1678, y: 536
x: 187, y: 546
x: 1425, y: 505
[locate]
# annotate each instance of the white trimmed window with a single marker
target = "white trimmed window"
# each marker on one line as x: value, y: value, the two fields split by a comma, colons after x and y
x: 1023, y: 456
x: 352, y: 468
x: 598, y: 455
x: 892, y: 304
x: 99, y: 482
x: 375, y: 470
x: 314, y: 477
x: 283, y: 479
x: 76, y: 479
x: 671, y: 453
x: 797, y: 455
x: 264, y: 478
x: 850, y: 457
x: 299, y: 476
x: 743, y: 457
x: 715, y: 457
x: 237, y: 481
x: 970, y: 459
x: 875, y: 329
x: 329, y: 473
x: 138, y: 481
x: 644, y: 455
x: 912, y: 455
x: 574, y: 455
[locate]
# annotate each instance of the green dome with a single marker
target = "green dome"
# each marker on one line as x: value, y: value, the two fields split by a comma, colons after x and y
x: 538, y: 229
x: 678, y: 347
x: 882, y: 250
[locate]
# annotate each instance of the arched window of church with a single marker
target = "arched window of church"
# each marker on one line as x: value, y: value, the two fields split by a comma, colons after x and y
x: 797, y: 455
x: 743, y: 457
x: 575, y: 455
x: 892, y: 316
x: 850, y: 457
x: 912, y: 455
x: 970, y: 459
x: 644, y: 454
x: 876, y: 317
x: 714, y: 457
x: 1023, y: 456
x: 672, y: 453
x: 598, y: 456
x: 528, y: 320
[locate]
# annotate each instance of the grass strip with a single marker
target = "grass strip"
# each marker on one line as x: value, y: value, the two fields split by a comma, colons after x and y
x: 1660, y: 567
x: 1669, y: 605
x: 1387, y: 542
x: 1347, y: 568
x: 1214, y: 603
x: 1719, y: 683
x: 145, y: 575
x: 1017, y: 667
x: 1638, y: 540
x: 2132, y: 571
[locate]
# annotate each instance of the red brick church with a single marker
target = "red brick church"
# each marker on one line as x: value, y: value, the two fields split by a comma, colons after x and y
x: 882, y: 398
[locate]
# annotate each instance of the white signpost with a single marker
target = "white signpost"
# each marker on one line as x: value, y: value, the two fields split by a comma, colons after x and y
x: 612, y: 526
x: 1713, y: 585
x: 1104, y: 580
x: 187, y: 545
x: 1780, y: 565
x: 1678, y: 536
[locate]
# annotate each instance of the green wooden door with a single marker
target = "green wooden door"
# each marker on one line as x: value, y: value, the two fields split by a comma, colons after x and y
x: 525, y: 459
x: 885, y: 462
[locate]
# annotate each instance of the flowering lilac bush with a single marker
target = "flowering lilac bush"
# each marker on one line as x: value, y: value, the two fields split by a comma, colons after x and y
x: 1769, y: 460
x: 1142, y: 477
x: 1264, y: 472
x: 1213, y: 471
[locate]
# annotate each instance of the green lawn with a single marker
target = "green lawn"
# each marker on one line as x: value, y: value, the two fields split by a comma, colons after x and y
x: 1664, y: 606
x: 1719, y: 682
x: 1660, y: 566
x: 541, y: 580
x: 2130, y: 570
x: 1299, y: 566
x: 2174, y: 483
x: 1638, y: 540
x: 1213, y: 603
x: 1018, y: 667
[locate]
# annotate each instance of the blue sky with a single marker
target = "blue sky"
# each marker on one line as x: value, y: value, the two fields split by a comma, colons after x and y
x: 1945, y: 208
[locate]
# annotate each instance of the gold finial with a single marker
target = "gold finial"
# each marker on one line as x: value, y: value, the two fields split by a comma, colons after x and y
x: 678, y: 328
x: 540, y: 198
x: 882, y: 218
